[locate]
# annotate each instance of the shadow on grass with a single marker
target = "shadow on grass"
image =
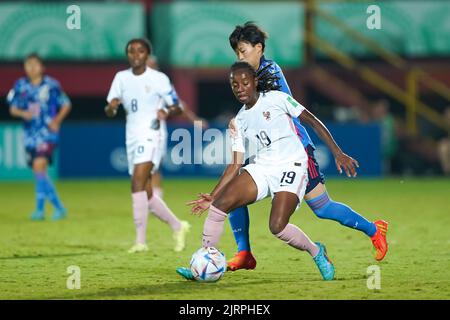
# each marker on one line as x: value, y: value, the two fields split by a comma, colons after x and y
x: 155, y: 291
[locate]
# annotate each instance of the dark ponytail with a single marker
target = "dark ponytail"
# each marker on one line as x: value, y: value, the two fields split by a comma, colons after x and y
x: 267, y: 81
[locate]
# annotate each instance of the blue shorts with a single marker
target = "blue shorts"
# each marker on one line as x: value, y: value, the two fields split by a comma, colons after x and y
x: 314, y: 175
x: 44, y: 150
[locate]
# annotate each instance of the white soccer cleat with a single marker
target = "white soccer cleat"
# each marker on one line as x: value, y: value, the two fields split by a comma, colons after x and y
x: 138, y: 247
x: 180, y: 236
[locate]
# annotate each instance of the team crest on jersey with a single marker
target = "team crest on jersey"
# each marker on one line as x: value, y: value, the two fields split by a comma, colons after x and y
x: 147, y: 88
x: 266, y: 115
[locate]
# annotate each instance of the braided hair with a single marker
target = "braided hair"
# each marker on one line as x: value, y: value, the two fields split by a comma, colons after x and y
x: 267, y: 81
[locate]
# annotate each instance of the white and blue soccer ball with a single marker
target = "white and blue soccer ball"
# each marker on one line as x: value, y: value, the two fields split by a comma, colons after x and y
x: 208, y: 264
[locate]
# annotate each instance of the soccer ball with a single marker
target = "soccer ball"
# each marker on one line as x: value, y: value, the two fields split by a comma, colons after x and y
x: 208, y: 264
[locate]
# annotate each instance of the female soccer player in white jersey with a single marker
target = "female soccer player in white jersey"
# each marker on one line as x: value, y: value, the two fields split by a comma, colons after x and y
x: 280, y: 168
x: 148, y: 98
x: 248, y: 42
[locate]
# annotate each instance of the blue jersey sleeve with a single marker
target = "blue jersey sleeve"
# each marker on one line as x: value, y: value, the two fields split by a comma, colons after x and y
x: 63, y: 99
x: 14, y: 96
x: 59, y: 96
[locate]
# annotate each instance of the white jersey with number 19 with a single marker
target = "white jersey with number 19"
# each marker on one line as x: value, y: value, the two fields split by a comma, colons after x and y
x: 270, y: 131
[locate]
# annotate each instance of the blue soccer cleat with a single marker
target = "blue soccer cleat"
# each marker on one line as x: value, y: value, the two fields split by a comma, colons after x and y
x: 38, y: 215
x: 324, y: 264
x: 185, y: 273
x: 59, y: 214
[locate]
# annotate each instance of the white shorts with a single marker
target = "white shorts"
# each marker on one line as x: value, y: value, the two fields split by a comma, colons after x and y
x: 163, y: 148
x: 270, y: 180
x: 145, y: 149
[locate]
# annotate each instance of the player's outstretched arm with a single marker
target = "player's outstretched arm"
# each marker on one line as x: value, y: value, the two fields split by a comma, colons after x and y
x: 111, y: 108
x: 205, y: 199
x: 231, y: 171
x: 193, y: 118
x: 342, y: 160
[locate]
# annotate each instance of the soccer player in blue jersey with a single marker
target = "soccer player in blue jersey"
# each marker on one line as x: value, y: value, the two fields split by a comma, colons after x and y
x: 40, y: 101
x: 248, y: 42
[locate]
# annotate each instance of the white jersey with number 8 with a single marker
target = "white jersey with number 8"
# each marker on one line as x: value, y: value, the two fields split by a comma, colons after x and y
x: 142, y: 96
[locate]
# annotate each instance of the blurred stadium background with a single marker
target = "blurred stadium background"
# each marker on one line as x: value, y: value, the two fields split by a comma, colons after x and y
x: 384, y: 94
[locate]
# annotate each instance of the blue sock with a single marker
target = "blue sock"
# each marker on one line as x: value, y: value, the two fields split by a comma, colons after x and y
x: 325, y: 208
x: 40, y: 191
x: 240, y: 223
x: 52, y: 195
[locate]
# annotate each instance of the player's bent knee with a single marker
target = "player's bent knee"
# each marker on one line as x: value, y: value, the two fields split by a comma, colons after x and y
x: 137, y: 185
x: 223, y: 204
x: 277, y: 226
x: 39, y: 166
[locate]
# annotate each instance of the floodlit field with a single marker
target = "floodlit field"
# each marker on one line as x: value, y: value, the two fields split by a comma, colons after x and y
x: 34, y: 256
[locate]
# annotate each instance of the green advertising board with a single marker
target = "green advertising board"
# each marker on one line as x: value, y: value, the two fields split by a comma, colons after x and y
x: 48, y: 29
x: 409, y: 28
x: 195, y: 34
x: 13, y: 165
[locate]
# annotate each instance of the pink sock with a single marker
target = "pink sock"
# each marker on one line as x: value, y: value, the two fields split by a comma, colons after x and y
x: 296, y: 238
x: 158, y: 191
x: 213, y: 227
x: 160, y: 209
x: 140, y: 214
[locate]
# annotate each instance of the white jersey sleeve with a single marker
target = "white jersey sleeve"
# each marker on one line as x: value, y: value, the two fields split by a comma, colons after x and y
x: 167, y: 91
x: 291, y: 106
x: 237, y: 141
x: 115, y: 90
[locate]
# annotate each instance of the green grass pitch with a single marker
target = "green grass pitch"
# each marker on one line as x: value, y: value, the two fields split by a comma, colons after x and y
x: 34, y: 256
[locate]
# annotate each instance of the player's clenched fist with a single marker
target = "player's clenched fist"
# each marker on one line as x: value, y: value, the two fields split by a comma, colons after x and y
x: 162, y: 114
x: 111, y: 108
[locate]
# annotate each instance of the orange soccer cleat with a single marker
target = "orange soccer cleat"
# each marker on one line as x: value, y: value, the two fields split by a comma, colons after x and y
x: 242, y: 260
x: 379, y: 239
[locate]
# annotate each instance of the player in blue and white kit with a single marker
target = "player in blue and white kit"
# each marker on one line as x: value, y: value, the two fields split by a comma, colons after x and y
x: 39, y: 100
